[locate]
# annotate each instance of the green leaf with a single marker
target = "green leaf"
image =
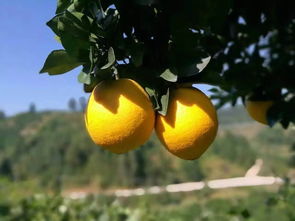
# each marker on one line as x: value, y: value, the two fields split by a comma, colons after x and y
x: 71, y: 8
x: 62, y: 5
x: 57, y: 38
x: 59, y: 62
x: 75, y: 47
x: 164, y: 103
x: 84, y: 78
x: 194, y: 65
x: 52, y: 24
x: 153, y: 97
x: 80, y: 19
x: 159, y: 95
x: 188, y: 62
x: 73, y: 30
x: 76, y: 23
x: 169, y: 76
x: 111, y: 59
x: 204, y: 62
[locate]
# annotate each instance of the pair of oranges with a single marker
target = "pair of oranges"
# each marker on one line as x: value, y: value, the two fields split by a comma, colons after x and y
x: 120, y: 117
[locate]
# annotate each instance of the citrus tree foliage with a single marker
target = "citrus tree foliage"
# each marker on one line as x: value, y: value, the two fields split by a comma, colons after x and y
x: 248, y: 46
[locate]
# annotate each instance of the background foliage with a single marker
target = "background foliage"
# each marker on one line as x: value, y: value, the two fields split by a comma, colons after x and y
x: 50, y: 151
x: 256, y: 205
x: 43, y: 154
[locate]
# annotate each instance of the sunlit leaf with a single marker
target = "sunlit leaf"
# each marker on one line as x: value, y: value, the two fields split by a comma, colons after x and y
x: 169, y: 76
x: 111, y: 59
x: 204, y: 62
x: 164, y: 103
x: 84, y: 78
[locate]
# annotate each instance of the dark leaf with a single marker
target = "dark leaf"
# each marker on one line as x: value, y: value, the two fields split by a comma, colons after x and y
x: 53, y: 24
x: 75, y: 47
x: 193, y: 66
x: 59, y: 62
x: 105, y: 73
x: 110, y: 22
x: 73, y: 29
x: 62, y: 5
x: 75, y: 23
x: 189, y: 62
x: 211, y: 78
x: 137, y: 52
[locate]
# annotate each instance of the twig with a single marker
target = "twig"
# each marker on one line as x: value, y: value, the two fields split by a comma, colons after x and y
x: 101, y: 9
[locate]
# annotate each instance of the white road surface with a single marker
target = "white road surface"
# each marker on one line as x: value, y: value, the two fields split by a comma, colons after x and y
x: 251, y: 178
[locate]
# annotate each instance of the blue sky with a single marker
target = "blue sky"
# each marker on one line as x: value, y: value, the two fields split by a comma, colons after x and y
x: 25, y: 42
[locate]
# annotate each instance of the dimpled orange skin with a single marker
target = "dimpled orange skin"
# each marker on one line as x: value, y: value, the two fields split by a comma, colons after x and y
x: 258, y: 110
x: 190, y: 125
x: 119, y: 115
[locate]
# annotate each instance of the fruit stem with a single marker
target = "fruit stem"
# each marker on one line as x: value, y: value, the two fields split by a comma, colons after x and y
x: 101, y: 9
x: 116, y: 74
x: 181, y: 85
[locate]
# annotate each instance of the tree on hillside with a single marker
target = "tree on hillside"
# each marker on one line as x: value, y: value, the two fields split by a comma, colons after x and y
x: 292, y: 157
x: 83, y: 103
x: 6, y: 168
x: 2, y: 115
x: 32, y: 108
x: 72, y: 105
x: 245, y: 49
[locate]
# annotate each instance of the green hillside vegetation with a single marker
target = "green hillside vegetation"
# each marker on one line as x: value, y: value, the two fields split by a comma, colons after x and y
x: 42, y: 154
x: 51, y: 150
x: 196, y: 206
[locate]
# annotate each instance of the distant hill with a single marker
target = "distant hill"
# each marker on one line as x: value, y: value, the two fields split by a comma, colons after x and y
x: 233, y: 115
x: 53, y: 150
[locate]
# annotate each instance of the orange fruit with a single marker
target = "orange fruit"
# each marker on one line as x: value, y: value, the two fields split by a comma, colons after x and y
x: 119, y: 116
x: 190, y: 125
x: 258, y: 110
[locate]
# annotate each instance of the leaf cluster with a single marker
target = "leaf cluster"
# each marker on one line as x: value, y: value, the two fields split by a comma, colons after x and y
x: 161, y: 43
